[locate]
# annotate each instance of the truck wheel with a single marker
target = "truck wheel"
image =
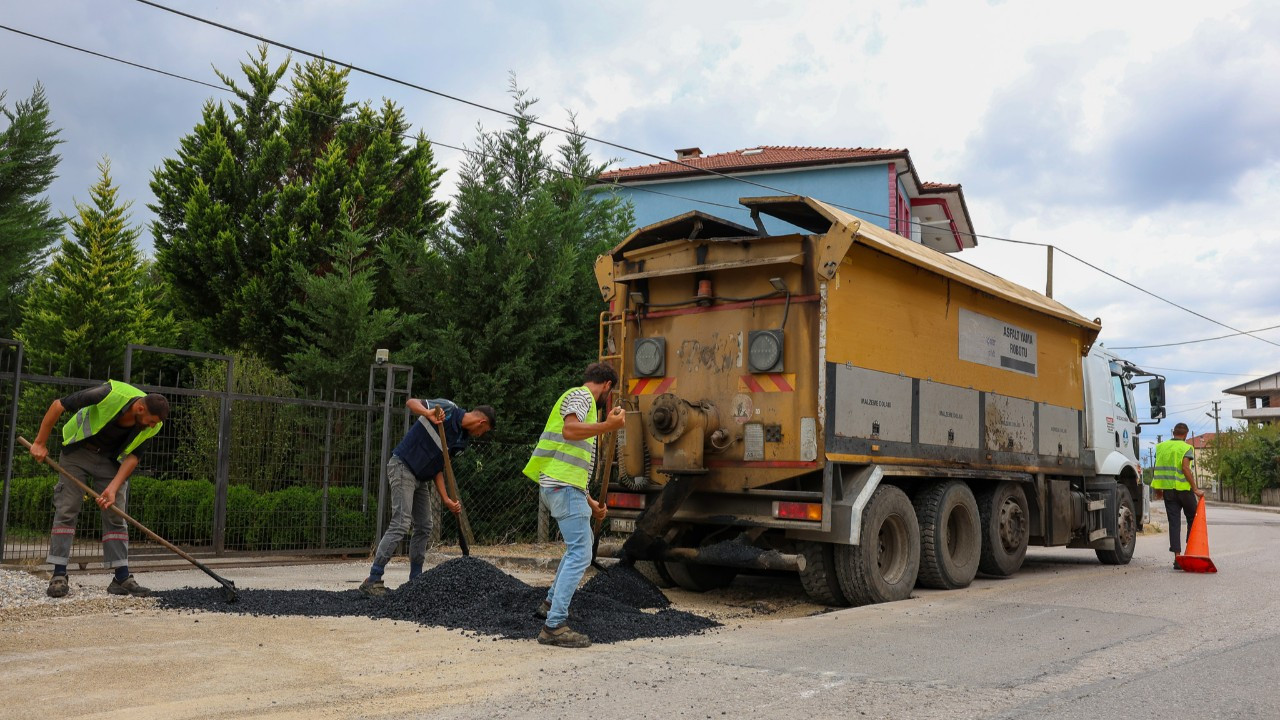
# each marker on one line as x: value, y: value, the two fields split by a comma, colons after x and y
x: 883, y: 567
x: 950, y: 535
x: 700, y: 578
x: 655, y: 573
x: 1126, y: 531
x: 1006, y: 528
x: 819, y: 574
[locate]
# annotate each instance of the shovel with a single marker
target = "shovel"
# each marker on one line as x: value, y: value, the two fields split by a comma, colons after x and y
x: 606, y: 471
x: 229, y: 593
x: 465, y: 538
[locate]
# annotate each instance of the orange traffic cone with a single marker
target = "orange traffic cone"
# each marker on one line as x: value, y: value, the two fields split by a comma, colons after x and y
x: 1196, y: 558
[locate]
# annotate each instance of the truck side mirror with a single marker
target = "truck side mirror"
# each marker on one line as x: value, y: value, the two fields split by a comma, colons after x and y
x: 1155, y: 393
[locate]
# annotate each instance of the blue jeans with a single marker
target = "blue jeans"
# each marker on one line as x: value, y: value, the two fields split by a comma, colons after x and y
x: 572, y: 513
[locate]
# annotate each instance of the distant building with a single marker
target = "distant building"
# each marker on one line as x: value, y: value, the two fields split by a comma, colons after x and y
x: 879, y: 186
x: 1261, y: 400
x: 1205, y: 476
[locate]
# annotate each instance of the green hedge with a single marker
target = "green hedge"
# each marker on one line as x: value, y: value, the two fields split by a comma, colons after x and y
x: 181, y: 511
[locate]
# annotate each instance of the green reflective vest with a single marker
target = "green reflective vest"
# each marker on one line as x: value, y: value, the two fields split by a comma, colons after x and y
x: 89, y: 421
x: 568, y: 461
x: 1168, y: 475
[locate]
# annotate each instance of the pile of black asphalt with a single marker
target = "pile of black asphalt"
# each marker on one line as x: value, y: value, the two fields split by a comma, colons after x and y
x: 470, y: 594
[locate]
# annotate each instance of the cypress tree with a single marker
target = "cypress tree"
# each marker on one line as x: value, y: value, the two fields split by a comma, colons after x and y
x: 261, y: 188
x: 27, y: 165
x: 335, y: 325
x: 519, y: 297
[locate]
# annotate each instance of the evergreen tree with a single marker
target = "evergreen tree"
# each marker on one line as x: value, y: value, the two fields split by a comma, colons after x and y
x: 521, y: 304
x: 27, y: 164
x: 93, y: 299
x: 261, y: 188
x: 336, y: 324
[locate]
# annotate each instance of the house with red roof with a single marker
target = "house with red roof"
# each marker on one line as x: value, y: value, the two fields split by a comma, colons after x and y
x: 878, y: 185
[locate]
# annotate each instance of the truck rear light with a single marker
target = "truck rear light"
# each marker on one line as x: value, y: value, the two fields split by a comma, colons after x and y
x: 633, y: 501
x: 797, y: 511
x: 649, y: 358
x: 764, y: 351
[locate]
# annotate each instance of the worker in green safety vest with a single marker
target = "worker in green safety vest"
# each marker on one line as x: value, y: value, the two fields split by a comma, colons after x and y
x: 101, y: 444
x: 1175, y: 482
x: 561, y: 464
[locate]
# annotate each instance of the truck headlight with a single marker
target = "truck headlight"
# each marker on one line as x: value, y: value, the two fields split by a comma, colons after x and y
x: 650, y: 357
x: 764, y: 351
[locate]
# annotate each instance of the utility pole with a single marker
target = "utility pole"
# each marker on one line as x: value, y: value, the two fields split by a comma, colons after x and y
x: 1217, y: 445
x: 1048, y: 282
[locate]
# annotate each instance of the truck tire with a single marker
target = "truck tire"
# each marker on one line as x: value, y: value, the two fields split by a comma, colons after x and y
x: 819, y: 574
x: 700, y: 578
x: 883, y: 567
x: 950, y: 535
x: 1006, y: 528
x: 1126, y: 531
x: 655, y: 573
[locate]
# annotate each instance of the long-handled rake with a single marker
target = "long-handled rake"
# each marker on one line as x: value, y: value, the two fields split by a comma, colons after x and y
x: 229, y: 593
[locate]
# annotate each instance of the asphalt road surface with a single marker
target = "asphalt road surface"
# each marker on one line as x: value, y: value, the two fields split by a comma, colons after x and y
x: 1064, y: 638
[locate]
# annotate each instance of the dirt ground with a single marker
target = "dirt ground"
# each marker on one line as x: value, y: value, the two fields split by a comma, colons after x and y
x: 93, y: 655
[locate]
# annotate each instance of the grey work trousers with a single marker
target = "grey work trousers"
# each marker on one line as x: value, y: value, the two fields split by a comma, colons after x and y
x: 1177, y: 503
x: 97, y: 471
x: 410, y: 506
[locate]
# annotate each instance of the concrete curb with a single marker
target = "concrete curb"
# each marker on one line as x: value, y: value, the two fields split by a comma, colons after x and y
x: 1243, y: 506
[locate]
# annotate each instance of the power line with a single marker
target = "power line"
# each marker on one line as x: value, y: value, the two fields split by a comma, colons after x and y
x: 316, y: 113
x: 549, y: 126
x: 472, y: 103
x: 1189, y: 342
x: 1198, y: 372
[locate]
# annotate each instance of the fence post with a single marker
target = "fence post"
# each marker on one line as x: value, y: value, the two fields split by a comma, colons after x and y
x: 223, y: 471
x: 386, y: 449
x: 368, y: 433
x: 13, y: 433
x: 324, y: 492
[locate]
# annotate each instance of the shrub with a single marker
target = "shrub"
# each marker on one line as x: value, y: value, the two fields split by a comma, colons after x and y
x: 181, y: 511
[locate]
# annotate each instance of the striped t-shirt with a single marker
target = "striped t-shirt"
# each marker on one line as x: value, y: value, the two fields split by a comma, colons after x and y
x: 576, y: 403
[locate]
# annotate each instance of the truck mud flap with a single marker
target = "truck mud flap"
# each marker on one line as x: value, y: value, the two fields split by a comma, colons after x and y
x: 855, y: 491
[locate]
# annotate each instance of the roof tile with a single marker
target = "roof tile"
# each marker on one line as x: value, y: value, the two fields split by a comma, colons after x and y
x: 763, y: 156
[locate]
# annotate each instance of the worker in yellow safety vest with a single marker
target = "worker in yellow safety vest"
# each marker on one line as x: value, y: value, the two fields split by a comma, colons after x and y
x: 101, y: 444
x: 561, y: 465
x: 1176, y: 482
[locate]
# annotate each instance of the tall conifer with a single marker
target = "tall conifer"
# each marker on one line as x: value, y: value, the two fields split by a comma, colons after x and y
x: 94, y: 298
x: 27, y: 228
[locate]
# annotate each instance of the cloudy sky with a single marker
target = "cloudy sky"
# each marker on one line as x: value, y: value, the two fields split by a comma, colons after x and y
x: 1142, y: 137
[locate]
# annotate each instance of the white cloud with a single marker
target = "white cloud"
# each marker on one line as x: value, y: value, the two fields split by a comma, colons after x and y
x: 1065, y: 122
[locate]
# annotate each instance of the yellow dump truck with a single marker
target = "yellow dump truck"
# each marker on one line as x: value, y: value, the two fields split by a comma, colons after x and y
x: 850, y: 405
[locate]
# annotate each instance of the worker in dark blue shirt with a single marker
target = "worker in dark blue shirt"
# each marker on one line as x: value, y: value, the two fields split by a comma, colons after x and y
x: 414, y: 464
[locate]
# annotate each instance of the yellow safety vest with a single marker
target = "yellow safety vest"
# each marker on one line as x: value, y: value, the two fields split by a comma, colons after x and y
x: 1168, y: 475
x: 89, y: 421
x: 568, y: 461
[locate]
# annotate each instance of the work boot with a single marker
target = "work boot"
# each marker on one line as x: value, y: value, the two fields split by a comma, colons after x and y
x: 58, y: 586
x: 128, y: 587
x: 543, y: 610
x: 373, y: 588
x: 563, y: 637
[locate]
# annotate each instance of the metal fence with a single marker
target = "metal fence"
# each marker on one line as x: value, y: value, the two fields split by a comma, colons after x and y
x: 242, y: 473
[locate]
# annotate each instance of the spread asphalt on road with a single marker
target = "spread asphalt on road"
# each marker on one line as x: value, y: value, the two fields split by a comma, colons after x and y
x: 471, y: 594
